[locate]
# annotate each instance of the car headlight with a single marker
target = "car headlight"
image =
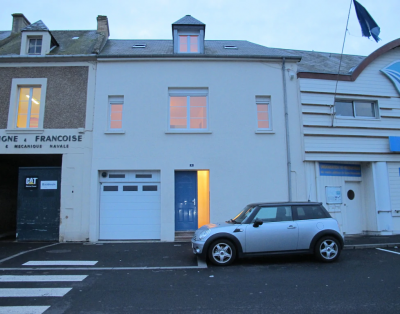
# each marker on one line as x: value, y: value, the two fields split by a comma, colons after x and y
x: 203, y: 234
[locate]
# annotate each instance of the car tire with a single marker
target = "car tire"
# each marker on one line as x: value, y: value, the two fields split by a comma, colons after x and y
x: 327, y: 249
x: 222, y: 252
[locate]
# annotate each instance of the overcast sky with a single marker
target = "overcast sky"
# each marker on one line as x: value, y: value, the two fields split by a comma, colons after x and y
x: 295, y: 24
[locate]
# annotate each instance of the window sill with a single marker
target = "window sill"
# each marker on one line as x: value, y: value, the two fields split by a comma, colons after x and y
x: 19, y: 131
x: 265, y: 132
x: 115, y: 132
x: 357, y: 118
x: 188, y: 132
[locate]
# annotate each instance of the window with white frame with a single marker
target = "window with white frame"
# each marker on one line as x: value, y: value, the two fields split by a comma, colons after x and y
x: 35, y: 46
x: 356, y: 109
x: 188, y: 109
x: 27, y: 103
x: 263, y: 104
x: 115, y: 109
x: 189, y: 43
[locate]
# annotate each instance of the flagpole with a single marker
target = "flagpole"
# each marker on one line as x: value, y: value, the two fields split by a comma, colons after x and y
x: 340, y: 63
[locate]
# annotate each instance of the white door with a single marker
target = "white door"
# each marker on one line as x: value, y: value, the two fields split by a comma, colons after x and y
x: 130, y: 211
x: 353, y: 208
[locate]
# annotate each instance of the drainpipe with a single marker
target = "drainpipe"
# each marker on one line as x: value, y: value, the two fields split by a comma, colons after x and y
x: 289, y: 162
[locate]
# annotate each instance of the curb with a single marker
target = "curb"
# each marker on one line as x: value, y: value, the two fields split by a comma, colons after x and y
x: 369, y: 246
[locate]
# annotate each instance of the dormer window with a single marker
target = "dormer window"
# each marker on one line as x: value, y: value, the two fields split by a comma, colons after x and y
x: 188, y: 35
x: 35, y: 46
x: 188, y: 43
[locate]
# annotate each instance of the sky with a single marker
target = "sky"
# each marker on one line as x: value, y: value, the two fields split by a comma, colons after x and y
x: 317, y: 25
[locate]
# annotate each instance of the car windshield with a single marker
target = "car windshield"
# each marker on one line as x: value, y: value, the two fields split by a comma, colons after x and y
x: 243, y: 214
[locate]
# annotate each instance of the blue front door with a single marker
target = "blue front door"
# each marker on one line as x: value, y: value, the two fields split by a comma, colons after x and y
x: 185, y: 200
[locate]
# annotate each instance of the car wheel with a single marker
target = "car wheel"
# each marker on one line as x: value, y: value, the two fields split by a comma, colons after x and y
x: 327, y: 249
x: 222, y: 252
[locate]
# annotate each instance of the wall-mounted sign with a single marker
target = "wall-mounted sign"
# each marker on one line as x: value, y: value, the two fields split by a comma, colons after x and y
x: 48, y: 185
x: 333, y: 194
x: 394, y: 143
x: 339, y: 170
x: 31, y: 182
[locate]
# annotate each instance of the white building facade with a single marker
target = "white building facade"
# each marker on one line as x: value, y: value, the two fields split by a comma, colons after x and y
x: 189, y: 131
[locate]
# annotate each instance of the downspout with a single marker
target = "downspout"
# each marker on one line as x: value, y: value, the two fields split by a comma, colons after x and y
x: 289, y: 162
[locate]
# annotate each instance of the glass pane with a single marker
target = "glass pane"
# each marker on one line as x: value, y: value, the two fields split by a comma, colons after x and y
x: 263, y: 124
x: 344, y: 109
x: 176, y: 123
x: 21, y: 121
x: 200, y: 101
x: 39, y: 42
x: 262, y: 107
x: 183, y: 43
x: 178, y: 112
x: 110, y: 188
x: 116, y: 108
x: 194, y: 47
x: 34, y: 121
x: 262, y: 116
x: 198, y: 123
x: 116, y: 125
x: 35, y: 109
x: 23, y: 107
x: 178, y: 101
x: 38, y: 49
x: 365, y: 109
x: 36, y: 93
x: 116, y: 116
x: 130, y: 188
x: 24, y: 94
x: 198, y: 112
x: 148, y: 188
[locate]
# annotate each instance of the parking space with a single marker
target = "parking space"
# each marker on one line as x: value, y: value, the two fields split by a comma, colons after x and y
x: 142, y: 254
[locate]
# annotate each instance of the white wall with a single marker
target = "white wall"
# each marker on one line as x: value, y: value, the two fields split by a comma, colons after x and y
x: 244, y: 166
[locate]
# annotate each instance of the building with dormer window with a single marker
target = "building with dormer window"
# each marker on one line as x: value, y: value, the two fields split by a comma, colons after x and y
x: 187, y: 131
x: 47, y: 83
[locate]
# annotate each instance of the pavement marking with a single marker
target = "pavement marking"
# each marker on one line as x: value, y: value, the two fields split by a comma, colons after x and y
x: 388, y: 251
x: 41, y: 278
x: 23, y: 309
x: 104, y: 268
x: 61, y: 263
x: 201, y: 263
x: 8, y: 258
x: 33, y: 292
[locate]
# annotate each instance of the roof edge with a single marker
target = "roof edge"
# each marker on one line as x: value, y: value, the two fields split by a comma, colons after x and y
x: 358, y: 70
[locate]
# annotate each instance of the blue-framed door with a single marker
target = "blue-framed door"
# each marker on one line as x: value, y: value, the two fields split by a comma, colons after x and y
x: 185, y: 200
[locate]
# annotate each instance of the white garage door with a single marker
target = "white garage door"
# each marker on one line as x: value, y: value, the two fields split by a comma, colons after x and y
x: 130, y: 211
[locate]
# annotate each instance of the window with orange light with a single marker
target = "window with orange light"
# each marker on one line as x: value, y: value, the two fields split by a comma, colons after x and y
x: 188, y: 111
x: 116, y: 105
x: 189, y: 43
x: 28, y: 114
x: 263, y: 105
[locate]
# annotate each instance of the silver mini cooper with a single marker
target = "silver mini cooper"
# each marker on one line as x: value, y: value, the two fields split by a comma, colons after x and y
x: 271, y: 228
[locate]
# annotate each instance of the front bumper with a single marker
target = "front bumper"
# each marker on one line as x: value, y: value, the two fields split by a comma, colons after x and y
x: 197, y: 247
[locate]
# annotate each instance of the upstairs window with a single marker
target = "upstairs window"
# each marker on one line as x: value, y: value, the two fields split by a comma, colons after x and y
x: 28, y: 112
x: 263, y: 104
x: 35, y: 46
x: 115, y: 112
x: 188, y: 110
x: 356, y: 109
x: 189, y: 43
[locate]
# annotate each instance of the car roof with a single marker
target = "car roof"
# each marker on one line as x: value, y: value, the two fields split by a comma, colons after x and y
x: 284, y: 203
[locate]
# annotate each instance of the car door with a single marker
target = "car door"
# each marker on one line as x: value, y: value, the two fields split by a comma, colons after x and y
x: 277, y: 233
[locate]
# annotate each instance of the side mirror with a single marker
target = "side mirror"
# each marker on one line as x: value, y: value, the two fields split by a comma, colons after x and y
x: 257, y: 222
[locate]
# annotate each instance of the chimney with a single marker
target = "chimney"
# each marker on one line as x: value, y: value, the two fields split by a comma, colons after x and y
x: 19, y: 22
x: 102, y: 25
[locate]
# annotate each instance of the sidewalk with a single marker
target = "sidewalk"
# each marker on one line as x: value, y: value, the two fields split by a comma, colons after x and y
x: 369, y: 241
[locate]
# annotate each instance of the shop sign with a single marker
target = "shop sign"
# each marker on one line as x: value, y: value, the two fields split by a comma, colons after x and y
x: 333, y: 194
x: 339, y: 170
x: 48, y: 185
x: 31, y: 182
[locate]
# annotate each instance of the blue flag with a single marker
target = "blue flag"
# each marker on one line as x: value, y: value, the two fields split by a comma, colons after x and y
x: 368, y: 26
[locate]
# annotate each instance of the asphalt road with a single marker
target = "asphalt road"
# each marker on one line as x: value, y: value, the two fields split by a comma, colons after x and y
x: 362, y: 281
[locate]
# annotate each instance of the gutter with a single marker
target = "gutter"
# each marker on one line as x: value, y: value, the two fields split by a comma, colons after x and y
x: 288, y: 156
x: 48, y: 58
x: 191, y: 58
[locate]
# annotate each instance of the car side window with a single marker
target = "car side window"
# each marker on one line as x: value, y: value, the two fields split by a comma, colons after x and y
x: 274, y: 214
x: 309, y: 212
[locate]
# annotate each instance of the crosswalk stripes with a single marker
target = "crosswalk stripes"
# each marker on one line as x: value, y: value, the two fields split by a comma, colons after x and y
x: 33, y: 292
